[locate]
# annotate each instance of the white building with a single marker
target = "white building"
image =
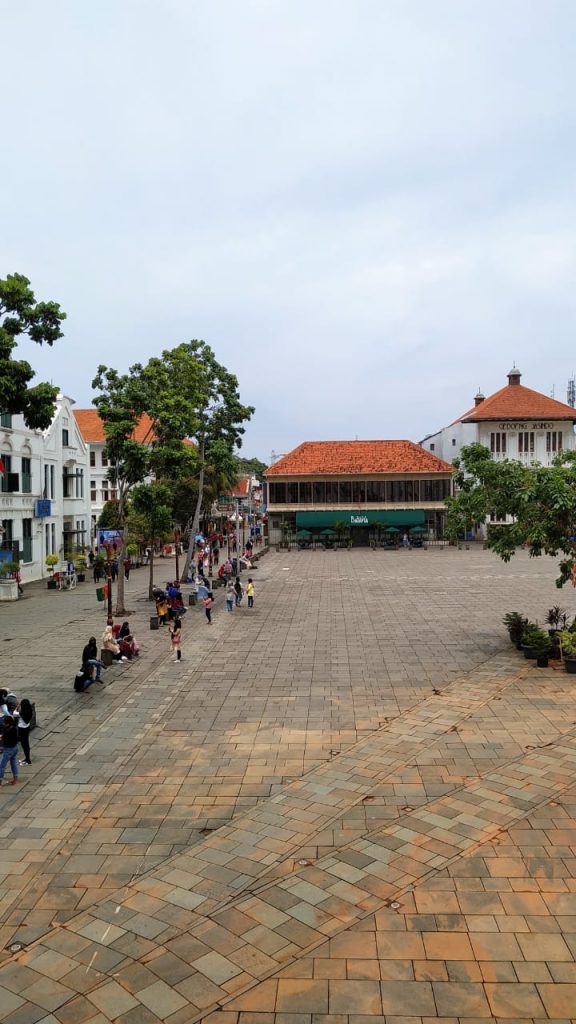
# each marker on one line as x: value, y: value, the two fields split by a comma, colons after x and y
x: 44, y: 497
x: 514, y: 423
x: 92, y: 430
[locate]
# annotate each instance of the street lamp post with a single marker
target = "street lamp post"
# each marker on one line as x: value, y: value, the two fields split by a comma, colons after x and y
x: 110, y: 618
x: 238, y: 567
x: 177, y: 550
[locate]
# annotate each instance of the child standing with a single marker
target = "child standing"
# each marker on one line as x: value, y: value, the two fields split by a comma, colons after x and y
x: 250, y: 593
x: 208, y: 602
x: 230, y: 595
x: 176, y: 638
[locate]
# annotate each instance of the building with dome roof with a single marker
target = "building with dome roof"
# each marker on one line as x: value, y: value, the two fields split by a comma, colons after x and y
x: 514, y: 423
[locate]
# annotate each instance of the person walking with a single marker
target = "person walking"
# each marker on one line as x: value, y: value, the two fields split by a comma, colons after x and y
x: 208, y: 603
x: 405, y: 541
x: 90, y: 657
x: 238, y: 592
x: 230, y: 595
x: 10, y: 753
x: 250, y: 592
x: 176, y: 638
x: 24, y: 723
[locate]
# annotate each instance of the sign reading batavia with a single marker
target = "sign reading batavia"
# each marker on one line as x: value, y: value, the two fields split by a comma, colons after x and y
x: 525, y: 426
x: 356, y: 520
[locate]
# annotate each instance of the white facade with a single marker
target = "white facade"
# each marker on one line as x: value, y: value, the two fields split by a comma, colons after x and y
x: 101, y: 490
x: 44, y: 495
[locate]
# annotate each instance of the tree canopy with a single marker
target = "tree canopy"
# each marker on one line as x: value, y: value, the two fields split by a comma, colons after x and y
x: 539, y: 502
x: 21, y: 315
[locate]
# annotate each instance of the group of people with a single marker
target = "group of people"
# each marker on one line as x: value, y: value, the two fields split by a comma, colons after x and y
x: 16, y: 721
x: 169, y: 603
x: 235, y: 593
x: 119, y: 641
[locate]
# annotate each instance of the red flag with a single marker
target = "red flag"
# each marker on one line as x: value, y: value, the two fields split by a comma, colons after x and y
x: 2, y: 466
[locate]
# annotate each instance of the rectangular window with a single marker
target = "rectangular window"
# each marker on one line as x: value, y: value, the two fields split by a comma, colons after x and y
x: 52, y: 485
x: 105, y: 496
x: 408, y: 490
x: 554, y: 440
x: 79, y: 483
x: 278, y: 493
x: 7, y: 460
x: 113, y: 494
x: 319, y: 492
x: 432, y: 447
x: 66, y: 484
x: 345, y: 489
x: 358, y: 492
x: 26, y: 540
x: 53, y: 539
x: 93, y: 491
x: 7, y: 536
x: 292, y: 492
x: 6, y: 419
x: 453, y: 442
x: 305, y: 492
x: 93, y: 459
x: 331, y: 492
x: 26, y: 476
x: 47, y: 538
x: 104, y: 459
x: 65, y: 437
x: 497, y: 443
x: 526, y: 442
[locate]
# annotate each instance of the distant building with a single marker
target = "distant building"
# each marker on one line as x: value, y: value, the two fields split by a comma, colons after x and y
x: 364, y: 484
x: 514, y: 423
x: 44, y: 498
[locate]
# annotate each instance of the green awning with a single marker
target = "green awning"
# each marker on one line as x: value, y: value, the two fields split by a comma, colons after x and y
x: 394, y: 517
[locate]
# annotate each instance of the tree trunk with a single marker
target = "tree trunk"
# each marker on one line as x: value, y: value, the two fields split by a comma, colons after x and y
x: 195, y: 519
x: 151, y: 573
x: 120, y: 609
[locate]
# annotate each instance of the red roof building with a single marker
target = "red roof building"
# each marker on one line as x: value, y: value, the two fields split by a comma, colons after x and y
x: 514, y: 423
x: 369, y: 486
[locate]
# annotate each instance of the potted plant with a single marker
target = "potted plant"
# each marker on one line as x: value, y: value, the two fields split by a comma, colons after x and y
x: 568, y: 649
x: 51, y: 562
x: 530, y: 638
x: 515, y: 624
x: 132, y: 552
x: 80, y: 567
x: 9, y: 581
x: 556, y: 619
x: 541, y: 645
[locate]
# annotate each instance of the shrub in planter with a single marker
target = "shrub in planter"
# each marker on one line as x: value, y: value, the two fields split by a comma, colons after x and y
x: 567, y: 641
x: 515, y: 624
x: 530, y: 639
x: 80, y: 566
x: 556, y: 618
x: 51, y: 561
x: 8, y: 570
x: 541, y: 645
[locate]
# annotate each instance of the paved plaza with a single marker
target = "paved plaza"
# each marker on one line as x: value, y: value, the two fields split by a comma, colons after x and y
x: 354, y: 804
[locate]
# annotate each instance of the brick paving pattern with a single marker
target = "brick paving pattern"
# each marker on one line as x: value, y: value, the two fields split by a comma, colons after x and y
x: 356, y: 804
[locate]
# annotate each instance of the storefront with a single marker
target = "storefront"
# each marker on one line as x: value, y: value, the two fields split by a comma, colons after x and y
x: 358, y: 489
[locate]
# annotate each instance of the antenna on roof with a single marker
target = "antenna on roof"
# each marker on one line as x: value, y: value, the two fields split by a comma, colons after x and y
x: 552, y: 392
x: 571, y: 392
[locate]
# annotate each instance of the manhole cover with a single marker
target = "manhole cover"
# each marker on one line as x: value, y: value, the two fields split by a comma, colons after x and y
x: 15, y: 947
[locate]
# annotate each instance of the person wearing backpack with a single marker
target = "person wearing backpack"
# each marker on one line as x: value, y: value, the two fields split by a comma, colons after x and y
x: 10, y: 753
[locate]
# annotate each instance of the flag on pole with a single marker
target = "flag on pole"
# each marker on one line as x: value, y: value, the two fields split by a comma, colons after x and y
x: 2, y: 466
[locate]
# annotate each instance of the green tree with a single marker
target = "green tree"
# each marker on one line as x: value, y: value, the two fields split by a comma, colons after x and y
x: 152, y: 504
x: 21, y: 315
x: 251, y: 466
x: 109, y: 518
x: 539, y: 501
x: 120, y: 404
x: 189, y: 380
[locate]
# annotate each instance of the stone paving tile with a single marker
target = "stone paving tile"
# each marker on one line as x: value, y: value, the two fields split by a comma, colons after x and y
x: 346, y: 883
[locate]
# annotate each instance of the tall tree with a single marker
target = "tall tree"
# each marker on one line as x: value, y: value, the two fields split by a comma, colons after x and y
x: 538, y: 501
x: 152, y: 504
x: 21, y: 315
x: 197, y: 382
x: 120, y: 405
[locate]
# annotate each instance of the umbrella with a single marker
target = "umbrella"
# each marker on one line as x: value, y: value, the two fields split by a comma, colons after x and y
x: 202, y: 591
x: 303, y: 533
x: 391, y: 529
x: 417, y: 529
x: 328, y: 533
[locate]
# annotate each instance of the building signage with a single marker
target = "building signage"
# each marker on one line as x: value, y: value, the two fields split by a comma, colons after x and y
x: 358, y: 520
x: 526, y: 426
x: 43, y: 507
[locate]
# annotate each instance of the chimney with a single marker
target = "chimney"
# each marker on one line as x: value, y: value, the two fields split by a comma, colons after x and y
x: 479, y: 397
x: 514, y: 375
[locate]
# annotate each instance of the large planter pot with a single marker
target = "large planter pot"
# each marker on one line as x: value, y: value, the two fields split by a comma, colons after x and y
x: 542, y: 661
x: 81, y: 577
x: 570, y: 665
x: 51, y: 584
x: 529, y: 652
x: 8, y: 590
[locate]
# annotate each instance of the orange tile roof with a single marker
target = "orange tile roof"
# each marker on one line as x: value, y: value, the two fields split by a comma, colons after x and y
x: 515, y: 402
x: 352, y: 458
x: 92, y: 427
x: 241, y: 488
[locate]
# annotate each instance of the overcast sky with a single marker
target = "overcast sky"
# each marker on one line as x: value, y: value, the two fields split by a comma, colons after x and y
x: 366, y: 207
